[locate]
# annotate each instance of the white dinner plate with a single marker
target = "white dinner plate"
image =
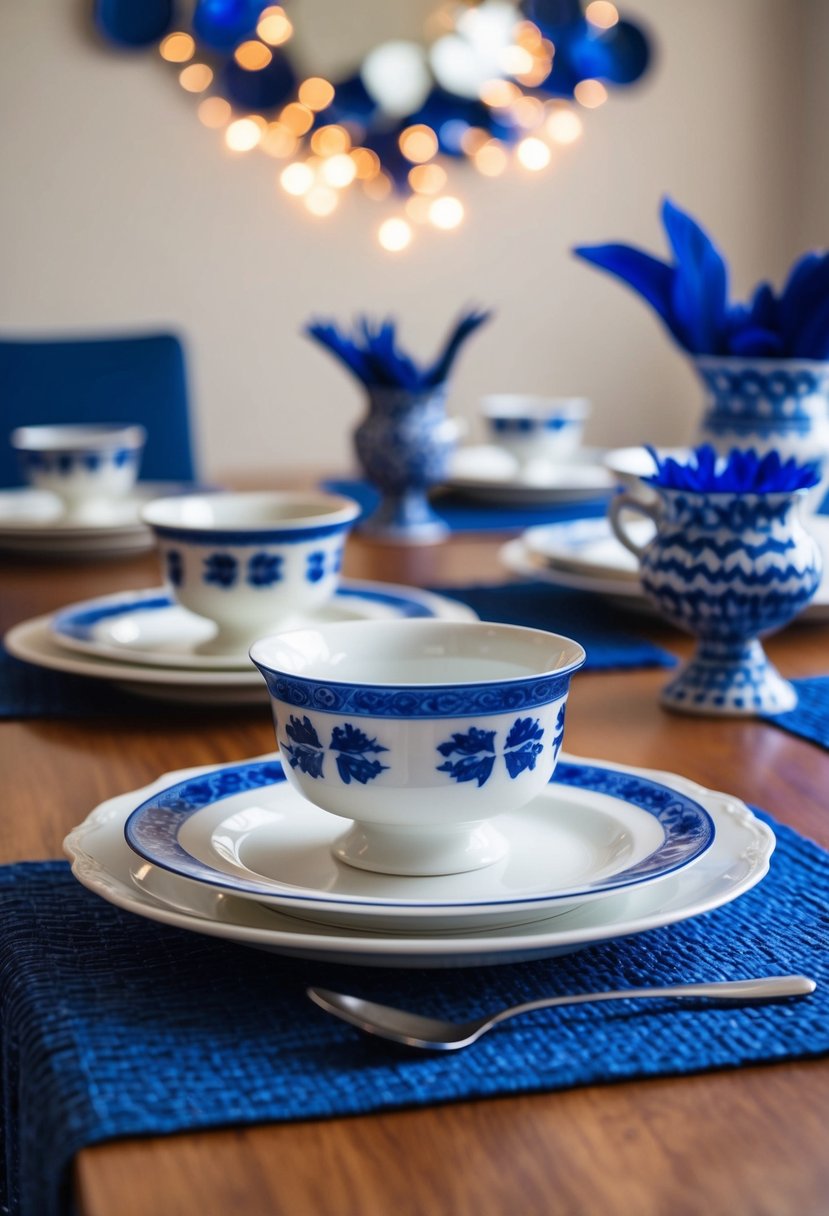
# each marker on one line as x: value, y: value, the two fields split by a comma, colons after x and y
x: 585, y: 555
x: 736, y: 861
x: 246, y: 831
x: 487, y: 473
x: 32, y: 522
x: 34, y: 642
x: 149, y: 627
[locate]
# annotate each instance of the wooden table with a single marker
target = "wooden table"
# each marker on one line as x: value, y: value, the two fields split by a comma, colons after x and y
x: 751, y: 1141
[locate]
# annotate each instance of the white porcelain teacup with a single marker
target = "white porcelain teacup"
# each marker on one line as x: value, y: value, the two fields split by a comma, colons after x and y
x: 419, y: 731
x: 533, y: 428
x: 91, y: 467
x: 251, y: 562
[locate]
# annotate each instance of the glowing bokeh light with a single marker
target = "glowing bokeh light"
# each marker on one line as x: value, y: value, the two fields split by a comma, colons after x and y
x: 533, y: 154
x: 418, y: 143
x: 528, y: 112
x: 321, y: 200
x: 491, y: 159
x: 394, y: 234
x: 243, y: 134
x: 273, y: 26
x: 564, y: 126
x: 214, y: 112
x: 330, y: 140
x: 177, y: 48
x: 378, y: 187
x: 196, y: 78
x: 366, y: 163
x: 297, y: 178
x: 297, y: 118
x: 427, y: 179
x: 446, y: 212
x: 278, y: 141
x: 252, y: 55
x: 417, y: 208
x: 338, y: 171
x: 316, y: 93
x: 590, y: 94
x: 602, y: 14
x: 396, y: 76
x: 498, y: 94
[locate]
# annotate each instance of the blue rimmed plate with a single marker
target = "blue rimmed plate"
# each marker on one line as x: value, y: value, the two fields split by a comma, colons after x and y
x: 243, y: 830
x: 149, y: 628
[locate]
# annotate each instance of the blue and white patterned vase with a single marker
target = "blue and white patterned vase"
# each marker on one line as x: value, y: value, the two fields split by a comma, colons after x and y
x: 404, y: 445
x: 767, y: 404
x: 728, y: 568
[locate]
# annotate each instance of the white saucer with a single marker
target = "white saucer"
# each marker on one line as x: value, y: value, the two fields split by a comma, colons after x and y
x: 247, y: 832
x: 33, y: 522
x: 488, y: 473
x: 34, y: 642
x: 585, y: 555
x: 737, y: 860
x: 149, y: 628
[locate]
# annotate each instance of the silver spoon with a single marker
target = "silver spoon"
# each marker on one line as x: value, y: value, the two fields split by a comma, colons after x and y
x: 435, y: 1035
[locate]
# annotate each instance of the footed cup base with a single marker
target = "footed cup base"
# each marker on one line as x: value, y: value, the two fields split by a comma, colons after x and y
x: 415, y: 852
x: 730, y: 681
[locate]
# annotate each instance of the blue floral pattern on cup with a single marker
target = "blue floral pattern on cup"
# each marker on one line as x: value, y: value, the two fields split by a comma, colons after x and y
x: 264, y: 569
x: 221, y: 569
x: 315, y: 566
x: 351, y: 746
x: 470, y: 755
x: 175, y: 567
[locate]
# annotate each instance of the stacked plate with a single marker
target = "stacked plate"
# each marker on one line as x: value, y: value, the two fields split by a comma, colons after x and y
x: 487, y: 473
x: 32, y: 522
x: 145, y: 643
x: 584, y: 554
x: 604, y: 852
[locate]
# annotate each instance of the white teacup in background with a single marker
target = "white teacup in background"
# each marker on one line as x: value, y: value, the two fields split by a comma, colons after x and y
x: 91, y: 468
x: 251, y: 562
x: 532, y: 428
x: 419, y: 731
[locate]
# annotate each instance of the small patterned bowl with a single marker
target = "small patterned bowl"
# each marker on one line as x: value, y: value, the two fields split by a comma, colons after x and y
x: 251, y: 562
x: 90, y: 468
x: 419, y: 731
x: 531, y: 428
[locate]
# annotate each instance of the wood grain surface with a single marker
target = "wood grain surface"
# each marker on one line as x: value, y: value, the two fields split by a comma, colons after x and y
x: 751, y: 1141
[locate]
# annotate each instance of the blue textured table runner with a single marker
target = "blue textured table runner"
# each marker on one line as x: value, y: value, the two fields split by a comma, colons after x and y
x: 113, y: 1026
x: 27, y: 691
x: 465, y: 515
x: 810, y: 717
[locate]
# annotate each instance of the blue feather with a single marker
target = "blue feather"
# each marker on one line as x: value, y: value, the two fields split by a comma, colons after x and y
x: 647, y: 275
x: 700, y: 286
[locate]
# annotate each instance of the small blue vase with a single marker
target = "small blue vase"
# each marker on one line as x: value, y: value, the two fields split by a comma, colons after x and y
x: 728, y: 568
x: 767, y: 404
x: 404, y: 445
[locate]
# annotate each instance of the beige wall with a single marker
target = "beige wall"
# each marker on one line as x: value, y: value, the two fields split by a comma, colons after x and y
x: 118, y: 209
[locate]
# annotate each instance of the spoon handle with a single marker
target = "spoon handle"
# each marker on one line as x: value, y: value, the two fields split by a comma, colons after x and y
x: 771, y: 988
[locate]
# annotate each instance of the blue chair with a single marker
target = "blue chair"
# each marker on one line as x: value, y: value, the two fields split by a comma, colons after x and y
x: 113, y: 379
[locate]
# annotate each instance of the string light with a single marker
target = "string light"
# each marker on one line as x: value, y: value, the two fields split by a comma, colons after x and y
x: 394, y: 234
x: 484, y: 61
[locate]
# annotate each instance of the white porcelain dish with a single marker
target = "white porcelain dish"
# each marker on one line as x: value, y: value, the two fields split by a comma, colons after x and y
x: 34, y: 642
x: 487, y: 473
x: 148, y: 627
x: 737, y: 861
x: 589, y: 833
x: 586, y: 556
x: 33, y: 522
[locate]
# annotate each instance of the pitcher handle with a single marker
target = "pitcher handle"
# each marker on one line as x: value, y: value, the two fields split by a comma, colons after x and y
x: 629, y: 502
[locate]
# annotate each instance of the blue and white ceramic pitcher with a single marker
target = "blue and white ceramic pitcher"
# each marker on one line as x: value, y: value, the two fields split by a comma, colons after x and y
x: 727, y: 567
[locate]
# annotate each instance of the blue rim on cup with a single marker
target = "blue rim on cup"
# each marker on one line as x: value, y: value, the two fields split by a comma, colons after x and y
x: 251, y: 562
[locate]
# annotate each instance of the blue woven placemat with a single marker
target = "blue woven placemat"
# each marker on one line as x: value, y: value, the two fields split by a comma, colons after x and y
x: 603, y: 629
x: 464, y: 515
x: 810, y: 717
x: 27, y: 691
x: 112, y: 1026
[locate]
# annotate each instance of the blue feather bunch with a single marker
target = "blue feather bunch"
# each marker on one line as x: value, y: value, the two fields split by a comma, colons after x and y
x: 690, y: 294
x: 371, y: 352
x: 741, y: 472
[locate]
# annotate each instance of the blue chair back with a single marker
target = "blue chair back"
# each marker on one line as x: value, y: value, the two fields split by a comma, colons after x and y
x: 138, y: 378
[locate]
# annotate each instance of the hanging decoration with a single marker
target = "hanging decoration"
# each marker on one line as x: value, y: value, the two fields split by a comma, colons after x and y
x: 496, y: 84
